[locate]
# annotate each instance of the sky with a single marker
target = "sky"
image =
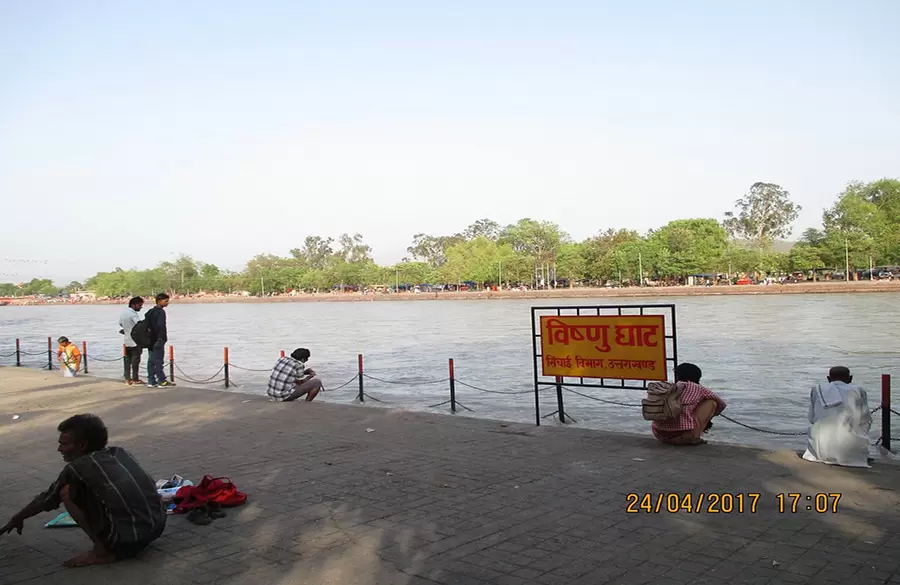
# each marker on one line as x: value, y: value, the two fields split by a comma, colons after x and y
x: 131, y: 132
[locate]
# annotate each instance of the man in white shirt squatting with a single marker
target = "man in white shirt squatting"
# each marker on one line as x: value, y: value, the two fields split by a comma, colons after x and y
x: 839, y: 421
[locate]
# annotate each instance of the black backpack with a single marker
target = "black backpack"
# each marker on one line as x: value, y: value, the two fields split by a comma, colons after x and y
x: 140, y: 333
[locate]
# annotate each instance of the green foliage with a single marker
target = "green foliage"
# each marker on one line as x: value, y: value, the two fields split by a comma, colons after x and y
x: 694, y: 246
x: 863, y: 224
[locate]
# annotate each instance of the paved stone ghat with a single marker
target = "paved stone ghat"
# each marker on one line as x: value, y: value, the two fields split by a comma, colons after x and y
x: 434, y: 499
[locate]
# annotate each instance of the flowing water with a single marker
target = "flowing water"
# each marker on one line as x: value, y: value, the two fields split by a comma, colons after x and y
x: 760, y: 353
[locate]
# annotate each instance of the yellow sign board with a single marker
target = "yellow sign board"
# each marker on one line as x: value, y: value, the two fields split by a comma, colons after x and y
x: 620, y: 347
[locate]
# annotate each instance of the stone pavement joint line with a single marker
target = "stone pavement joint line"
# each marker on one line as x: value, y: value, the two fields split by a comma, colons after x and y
x: 434, y: 499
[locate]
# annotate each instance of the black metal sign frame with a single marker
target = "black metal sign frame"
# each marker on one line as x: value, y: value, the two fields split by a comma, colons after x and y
x: 671, y: 340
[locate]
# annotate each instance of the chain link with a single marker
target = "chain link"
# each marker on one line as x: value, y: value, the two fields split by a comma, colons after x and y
x: 204, y: 381
x: 231, y: 365
x: 406, y: 383
x: 505, y: 392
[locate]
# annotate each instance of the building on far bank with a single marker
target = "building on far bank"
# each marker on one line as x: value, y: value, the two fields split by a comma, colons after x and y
x: 83, y: 296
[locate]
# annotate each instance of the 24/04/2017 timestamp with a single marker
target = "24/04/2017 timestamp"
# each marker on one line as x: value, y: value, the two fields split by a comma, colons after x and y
x: 728, y: 503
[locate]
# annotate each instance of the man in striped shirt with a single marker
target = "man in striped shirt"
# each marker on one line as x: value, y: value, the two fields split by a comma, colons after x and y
x: 699, y: 406
x: 104, y: 490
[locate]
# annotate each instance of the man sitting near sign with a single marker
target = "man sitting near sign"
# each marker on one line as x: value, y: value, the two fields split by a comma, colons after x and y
x: 698, y: 406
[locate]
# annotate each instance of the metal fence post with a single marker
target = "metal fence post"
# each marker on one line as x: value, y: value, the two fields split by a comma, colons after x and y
x: 49, y: 353
x: 362, y: 393
x: 172, y: 363
x: 18, y: 354
x: 559, y: 400
x: 227, y: 381
x: 452, y: 388
x: 84, y: 356
x: 886, y: 411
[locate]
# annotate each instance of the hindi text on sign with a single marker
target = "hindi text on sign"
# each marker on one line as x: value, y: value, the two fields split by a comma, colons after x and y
x: 627, y: 347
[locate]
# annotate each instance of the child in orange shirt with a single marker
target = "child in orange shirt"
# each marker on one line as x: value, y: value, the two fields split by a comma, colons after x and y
x: 68, y: 355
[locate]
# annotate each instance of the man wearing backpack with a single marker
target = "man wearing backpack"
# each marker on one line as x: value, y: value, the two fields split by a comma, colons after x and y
x: 698, y: 406
x: 156, y: 322
x: 129, y: 318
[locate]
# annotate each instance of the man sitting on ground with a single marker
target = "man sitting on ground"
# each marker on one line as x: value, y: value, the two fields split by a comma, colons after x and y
x: 104, y: 490
x: 839, y: 422
x: 291, y: 379
x: 699, y: 406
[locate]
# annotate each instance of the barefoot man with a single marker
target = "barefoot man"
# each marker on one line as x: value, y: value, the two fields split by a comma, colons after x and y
x: 104, y: 490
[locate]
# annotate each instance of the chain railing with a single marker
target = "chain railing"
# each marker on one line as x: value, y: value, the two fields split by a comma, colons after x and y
x: 223, y: 376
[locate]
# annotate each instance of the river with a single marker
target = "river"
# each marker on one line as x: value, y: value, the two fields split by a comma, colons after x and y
x: 760, y: 353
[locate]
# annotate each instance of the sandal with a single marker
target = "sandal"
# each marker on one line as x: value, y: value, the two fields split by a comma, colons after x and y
x: 215, y: 511
x: 199, y: 516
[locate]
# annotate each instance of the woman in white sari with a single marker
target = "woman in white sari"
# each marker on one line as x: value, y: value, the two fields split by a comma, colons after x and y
x: 839, y: 422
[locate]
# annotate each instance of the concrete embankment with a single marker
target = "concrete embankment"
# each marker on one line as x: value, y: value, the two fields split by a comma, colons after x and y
x: 562, y: 293
x: 342, y: 494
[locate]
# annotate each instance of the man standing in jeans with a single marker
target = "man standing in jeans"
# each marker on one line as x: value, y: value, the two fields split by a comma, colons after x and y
x: 156, y: 319
x: 132, y: 360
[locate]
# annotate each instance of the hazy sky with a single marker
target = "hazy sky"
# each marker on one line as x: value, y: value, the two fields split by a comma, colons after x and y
x: 132, y: 131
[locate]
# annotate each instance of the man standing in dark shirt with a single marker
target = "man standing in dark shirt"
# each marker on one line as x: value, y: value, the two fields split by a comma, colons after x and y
x: 159, y: 335
x: 105, y: 491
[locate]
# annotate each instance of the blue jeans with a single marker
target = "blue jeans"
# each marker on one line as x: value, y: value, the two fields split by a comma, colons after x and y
x: 155, y: 372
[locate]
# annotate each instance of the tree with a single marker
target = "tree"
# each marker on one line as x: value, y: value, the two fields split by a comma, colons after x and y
x: 538, y: 239
x: 765, y: 213
x: 479, y: 260
x: 411, y: 273
x: 598, y: 253
x: 695, y: 246
x: 74, y: 286
x: 353, y: 250
x: 316, y: 252
x: 8, y: 289
x: 804, y: 257
x: 865, y: 218
x: 570, y: 262
x: 433, y: 249
x: 483, y: 227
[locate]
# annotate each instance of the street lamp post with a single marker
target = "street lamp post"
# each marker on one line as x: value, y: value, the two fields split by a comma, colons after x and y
x: 641, y: 268
x: 846, y: 259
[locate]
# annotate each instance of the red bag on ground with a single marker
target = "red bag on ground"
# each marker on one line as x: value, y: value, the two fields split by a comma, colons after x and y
x: 218, y: 490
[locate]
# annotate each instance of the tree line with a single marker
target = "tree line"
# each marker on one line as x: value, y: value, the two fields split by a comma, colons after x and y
x: 861, y: 227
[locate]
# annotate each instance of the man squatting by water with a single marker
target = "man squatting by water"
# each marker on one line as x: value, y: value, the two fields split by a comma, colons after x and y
x: 839, y: 422
x: 105, y: 491
x: 291, y: 379
x: 699, y: 406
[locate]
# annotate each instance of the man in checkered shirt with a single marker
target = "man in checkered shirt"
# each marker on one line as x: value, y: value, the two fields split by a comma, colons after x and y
x: 699, y: 404
x: 291, y: 379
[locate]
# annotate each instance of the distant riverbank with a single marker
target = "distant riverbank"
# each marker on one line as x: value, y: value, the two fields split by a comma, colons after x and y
x: 560, y: 293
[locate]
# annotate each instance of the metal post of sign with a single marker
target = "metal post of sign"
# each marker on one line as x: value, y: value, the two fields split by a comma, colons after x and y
x: 361, y: 375
x: 559, y: 400
x: 537, y: 396
x: 886, y: 411
x: 452, y: 387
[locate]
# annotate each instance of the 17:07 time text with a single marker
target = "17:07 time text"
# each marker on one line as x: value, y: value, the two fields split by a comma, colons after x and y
x: 727, y: 503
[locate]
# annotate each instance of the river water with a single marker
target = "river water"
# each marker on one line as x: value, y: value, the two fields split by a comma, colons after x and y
x: 760, y: 353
